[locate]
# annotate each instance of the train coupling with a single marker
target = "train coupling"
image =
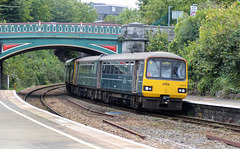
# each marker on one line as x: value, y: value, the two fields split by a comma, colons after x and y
x: 165, y: 100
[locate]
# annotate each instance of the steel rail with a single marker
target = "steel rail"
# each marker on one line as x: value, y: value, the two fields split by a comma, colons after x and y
x: 26, y: 95
x: 125, y: 129
x: 195, y: 120
x: 223, y: 140
x: 210, y: 123
x: 48, y: 106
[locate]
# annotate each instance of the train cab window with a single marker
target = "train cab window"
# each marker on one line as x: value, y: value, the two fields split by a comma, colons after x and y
x: 178, y: 70
x: 153, y: 68
x: 166, y: 69
x: 158, y: 68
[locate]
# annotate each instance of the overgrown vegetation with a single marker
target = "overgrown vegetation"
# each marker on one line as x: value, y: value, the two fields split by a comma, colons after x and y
x: 214, y: 54
x: 157, y: 41
x: 33, y: 68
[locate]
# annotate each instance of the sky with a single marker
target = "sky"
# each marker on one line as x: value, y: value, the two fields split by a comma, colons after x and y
x: 126, y: 3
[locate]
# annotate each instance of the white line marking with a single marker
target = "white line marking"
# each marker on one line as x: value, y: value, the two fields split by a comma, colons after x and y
x: 61, y: 121
x: 55, y: 130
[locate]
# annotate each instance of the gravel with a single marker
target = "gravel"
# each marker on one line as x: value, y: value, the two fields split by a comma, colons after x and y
x: 159, y: 132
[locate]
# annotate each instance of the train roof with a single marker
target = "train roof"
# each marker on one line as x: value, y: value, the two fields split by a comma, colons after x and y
x: 70, y: 60
x: 131, y: 56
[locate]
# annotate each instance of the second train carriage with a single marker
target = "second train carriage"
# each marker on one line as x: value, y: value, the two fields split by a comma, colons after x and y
x: 150, y: 80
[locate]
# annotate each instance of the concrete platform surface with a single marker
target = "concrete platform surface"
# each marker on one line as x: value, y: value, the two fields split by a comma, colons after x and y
x: 213, y: 101
x: 25, y: 126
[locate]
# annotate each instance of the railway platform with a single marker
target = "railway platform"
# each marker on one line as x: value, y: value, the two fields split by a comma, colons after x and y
x: 222, y: 110
x: 213, y: 101
x: 25, y: 126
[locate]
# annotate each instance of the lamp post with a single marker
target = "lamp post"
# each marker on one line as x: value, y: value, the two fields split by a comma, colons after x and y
x: 169, y: 7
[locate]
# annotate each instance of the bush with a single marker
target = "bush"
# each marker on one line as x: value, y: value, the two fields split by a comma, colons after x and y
x: 214, y: 58
x: 33, y: 68
x: 157, y: 41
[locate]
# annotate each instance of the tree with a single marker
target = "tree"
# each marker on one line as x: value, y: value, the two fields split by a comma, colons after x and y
x: 47, y: 10
x: 154, y: 10
x: 129, y: 16
x: 110, y: 18
x: 186, y: 31
x: 16, y: 11
x: 40, y: 10
x: 33, y: 68
x: 84, y: 12
x: 158, y: 41
x: 214, y: 57
x: 72, y: 11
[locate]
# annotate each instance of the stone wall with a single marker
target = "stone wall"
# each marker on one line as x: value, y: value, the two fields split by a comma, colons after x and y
x: 215, y: 113
x: 134, y: 36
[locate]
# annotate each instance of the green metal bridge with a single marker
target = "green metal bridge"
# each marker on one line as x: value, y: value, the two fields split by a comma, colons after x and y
x: 17, y: 38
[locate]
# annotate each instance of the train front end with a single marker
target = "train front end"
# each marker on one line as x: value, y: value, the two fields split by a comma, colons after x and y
x: 164, y: 83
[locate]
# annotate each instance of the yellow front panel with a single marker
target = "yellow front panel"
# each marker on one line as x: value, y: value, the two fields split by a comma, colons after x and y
x: 164, y: 87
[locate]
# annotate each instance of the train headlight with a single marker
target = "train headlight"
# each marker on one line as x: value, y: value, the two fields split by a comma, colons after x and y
x: 182, y: 90
x: 147, y: 88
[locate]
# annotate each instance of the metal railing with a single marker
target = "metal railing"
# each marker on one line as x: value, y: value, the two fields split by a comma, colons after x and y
x: 38, y: 27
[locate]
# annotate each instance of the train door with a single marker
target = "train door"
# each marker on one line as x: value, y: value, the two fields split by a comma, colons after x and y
x: 99, y: 73
x: 138, y: 76
x: 76, y: 73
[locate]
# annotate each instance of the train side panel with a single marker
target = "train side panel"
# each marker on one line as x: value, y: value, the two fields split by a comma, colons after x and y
x: 117, y: 75
x: 87, y: 74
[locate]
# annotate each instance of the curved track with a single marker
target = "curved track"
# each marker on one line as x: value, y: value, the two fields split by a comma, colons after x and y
x: 49, y: 88
x: 40, y: 98
x: 163, y: 115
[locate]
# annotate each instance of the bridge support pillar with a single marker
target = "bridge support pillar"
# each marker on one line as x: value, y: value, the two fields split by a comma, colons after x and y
x: 1, y: 74
x: 133, y: 38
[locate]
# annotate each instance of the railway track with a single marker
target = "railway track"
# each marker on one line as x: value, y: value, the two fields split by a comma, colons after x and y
x: 188, y: 119
x: 37, y: 98
x: 176, y: 117
x: 170, y: 116
x: 47, y: 89
x: 41, y: 88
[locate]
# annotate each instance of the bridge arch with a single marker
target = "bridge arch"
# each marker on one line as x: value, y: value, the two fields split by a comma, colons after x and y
x: 94, y: 39
x: 20, y: 50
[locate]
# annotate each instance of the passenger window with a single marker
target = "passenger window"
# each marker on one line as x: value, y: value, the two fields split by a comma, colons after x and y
x: 103, y: 69
x: 116, y: 70
x: 112, y: 69
x: 107, y: 69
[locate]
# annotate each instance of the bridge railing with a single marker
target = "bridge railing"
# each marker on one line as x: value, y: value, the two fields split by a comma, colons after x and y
x: 38, y: 27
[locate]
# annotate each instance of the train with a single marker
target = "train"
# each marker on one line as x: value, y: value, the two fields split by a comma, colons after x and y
x: 147, y: 80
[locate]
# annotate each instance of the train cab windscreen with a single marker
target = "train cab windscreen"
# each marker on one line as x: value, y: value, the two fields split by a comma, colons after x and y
x: 173, y: 69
